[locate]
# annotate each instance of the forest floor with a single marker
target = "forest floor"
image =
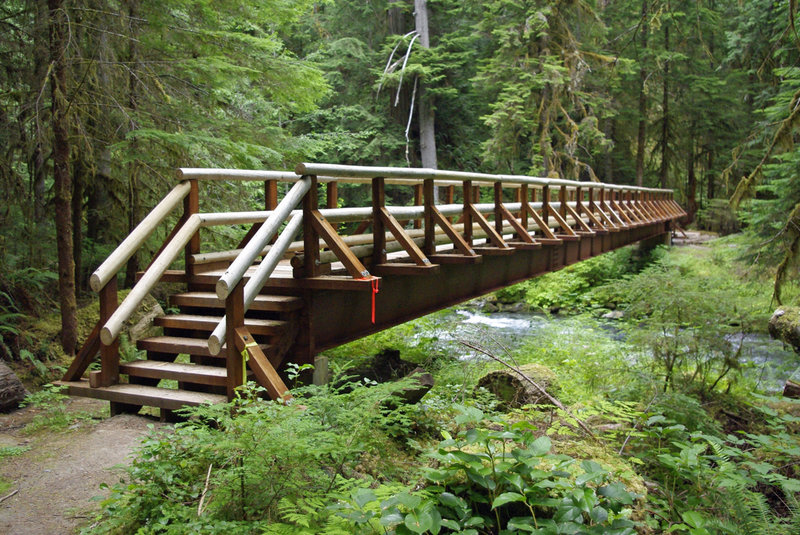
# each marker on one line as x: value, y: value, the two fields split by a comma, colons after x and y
x: 57, y: 473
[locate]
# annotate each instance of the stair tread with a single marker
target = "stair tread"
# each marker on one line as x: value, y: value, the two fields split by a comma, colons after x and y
x: 275, y: 303
x: 180, y: 344
x: 151, y: 396
x: 209, y: 323
x: 173, y: 367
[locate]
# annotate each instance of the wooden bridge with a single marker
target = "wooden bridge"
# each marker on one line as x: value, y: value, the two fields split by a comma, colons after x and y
x: 276, y: 299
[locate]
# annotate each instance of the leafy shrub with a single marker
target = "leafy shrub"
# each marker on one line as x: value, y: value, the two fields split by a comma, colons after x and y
x: 498, y: 481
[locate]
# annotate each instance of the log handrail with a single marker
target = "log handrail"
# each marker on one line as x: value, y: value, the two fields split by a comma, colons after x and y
x: 137, y: 237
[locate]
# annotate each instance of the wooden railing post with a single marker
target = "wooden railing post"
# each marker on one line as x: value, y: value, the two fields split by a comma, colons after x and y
x: 418, y: 202
x: 332, y: 195
x: 270, y: 194
x: 546, y: 204
x: 109, y: 354
x: 234, y: 315
x: 429, y: 247
x: 310, y: 236
x: 522, y: 197
x: 191, y: 206
x: 563, y: 198
x: 466, y: 215
x: 498, y: 204
x: 378, y: 231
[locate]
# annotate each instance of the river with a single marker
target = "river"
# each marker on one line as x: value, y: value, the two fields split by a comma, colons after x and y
x: 766, y: 361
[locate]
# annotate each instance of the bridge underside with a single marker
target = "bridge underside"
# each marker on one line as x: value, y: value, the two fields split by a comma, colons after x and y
x: 335, y: 317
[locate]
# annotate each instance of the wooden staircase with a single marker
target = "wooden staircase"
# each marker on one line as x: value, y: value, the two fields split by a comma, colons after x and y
x: 271, y: 320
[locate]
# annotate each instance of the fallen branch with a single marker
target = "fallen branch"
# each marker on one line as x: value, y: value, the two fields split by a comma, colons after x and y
x: 7, y: 496
x: 205, y: 489
x: 544, y: 392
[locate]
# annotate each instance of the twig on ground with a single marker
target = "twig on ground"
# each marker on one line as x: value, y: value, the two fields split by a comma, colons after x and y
x: 7, y: 496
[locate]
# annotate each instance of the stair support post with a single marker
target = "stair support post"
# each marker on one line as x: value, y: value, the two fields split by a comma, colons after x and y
x: 109, y: 354
x: 234, y: 363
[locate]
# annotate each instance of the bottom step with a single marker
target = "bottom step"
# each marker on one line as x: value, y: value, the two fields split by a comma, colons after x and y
x: 149, y: 396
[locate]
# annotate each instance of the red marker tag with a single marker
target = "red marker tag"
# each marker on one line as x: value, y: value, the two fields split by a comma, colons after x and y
x: 374, y: 291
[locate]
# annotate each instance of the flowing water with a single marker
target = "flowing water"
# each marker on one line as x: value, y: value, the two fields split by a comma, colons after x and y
x: 766, y: 360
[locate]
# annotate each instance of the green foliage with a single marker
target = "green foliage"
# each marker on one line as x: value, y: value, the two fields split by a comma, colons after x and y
x: 577, y: 286
x: 499, y: 481
x: 242, y: 466
x: 52, y: 413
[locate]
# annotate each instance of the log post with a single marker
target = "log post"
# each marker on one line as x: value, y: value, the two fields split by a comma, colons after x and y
x: 332, y: 195
x: 234, y: 315
x: 378, y: 232
x: 466, y: 215
x: 498, y: 204
x: 109, y: 354
x: 310, y: 236
x: 546, y: 204
x: 430, y: 222
x: 270, y: 194
x: 191, y: 206
x: 418, y: 202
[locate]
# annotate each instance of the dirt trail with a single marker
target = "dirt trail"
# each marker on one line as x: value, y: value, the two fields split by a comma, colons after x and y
x: 57, y: 478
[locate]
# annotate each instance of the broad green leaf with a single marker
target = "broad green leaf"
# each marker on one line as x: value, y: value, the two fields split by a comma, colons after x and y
x: 507, y: 497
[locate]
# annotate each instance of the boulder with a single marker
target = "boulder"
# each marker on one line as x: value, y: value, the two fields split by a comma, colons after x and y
x: 784, y: 325
x: 140, y: 324
x: 387, y: 366
x: 12, y: 391
x: 514, y: 392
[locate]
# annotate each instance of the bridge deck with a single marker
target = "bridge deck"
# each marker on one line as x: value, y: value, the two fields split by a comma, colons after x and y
x: 276, y: 300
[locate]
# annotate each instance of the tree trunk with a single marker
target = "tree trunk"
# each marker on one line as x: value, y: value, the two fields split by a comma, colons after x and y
x: 427, y: 139
x: 711, y: 185
x: 78, y: 188
x: 691, y: 183
x: 61, y: 176
x: 133, y: 168
x: 665, y: 122
x: 641, y: 138
x: 37, y: 167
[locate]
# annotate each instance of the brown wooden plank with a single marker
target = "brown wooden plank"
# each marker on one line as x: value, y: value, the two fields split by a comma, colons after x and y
x: 404, y: 239
x: 196, y: 322
x: 543, y: 227
x: 581, y: 223
x: 90, y: 349
x: 495, y: 251
x: 462, y: 246
x: 186, y: 373
x: 561, y: 221
x: 396, y: 268
x: 491, y: 233
x: 142, y: 395
x: 109, y: 354
x: 521, y: 232
x: 175, y: 345
x: 342, y: 251
x: 261, y: 366
x: 234, y: 314
x: 522, y: 245
x: 456, y: 259
x: 271, y: 303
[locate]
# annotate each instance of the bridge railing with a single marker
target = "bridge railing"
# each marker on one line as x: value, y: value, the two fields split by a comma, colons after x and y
x: 542, y: 211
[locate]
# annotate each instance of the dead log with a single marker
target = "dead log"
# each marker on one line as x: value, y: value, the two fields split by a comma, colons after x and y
x: 514, y: 392
x: 386, y: 367
x: 791, y: 390
x: 12, y: 391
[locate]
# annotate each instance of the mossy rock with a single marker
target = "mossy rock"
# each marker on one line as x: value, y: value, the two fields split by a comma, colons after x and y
x: 513, y: 391
x: 784, y: 325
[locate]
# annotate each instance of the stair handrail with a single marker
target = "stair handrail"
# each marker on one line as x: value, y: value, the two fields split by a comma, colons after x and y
x: 150, y: 278
x: 259, y: 278
x: 125, y: 250
x: 228, y: 281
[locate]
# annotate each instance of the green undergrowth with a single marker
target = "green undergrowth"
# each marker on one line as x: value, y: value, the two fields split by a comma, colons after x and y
x: 52, y: 412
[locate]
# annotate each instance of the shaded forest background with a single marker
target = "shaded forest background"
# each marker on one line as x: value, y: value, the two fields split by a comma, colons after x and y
x: 101, y: 100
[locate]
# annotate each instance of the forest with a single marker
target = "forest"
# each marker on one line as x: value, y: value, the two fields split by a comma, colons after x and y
x: 101, y: 101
